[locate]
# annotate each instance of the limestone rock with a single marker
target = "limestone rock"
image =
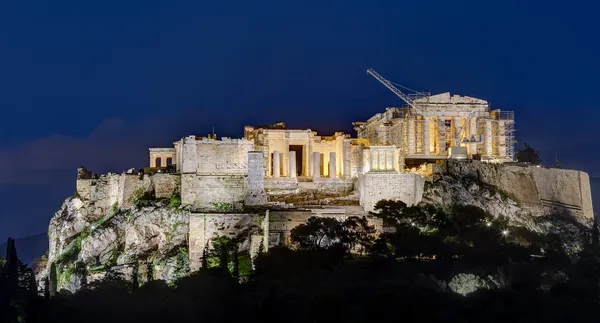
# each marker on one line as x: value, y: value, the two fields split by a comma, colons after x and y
x: 85, y: 248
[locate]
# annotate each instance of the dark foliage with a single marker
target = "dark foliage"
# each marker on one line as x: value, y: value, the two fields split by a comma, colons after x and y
x: 406, y: 275
x: 529, y: 155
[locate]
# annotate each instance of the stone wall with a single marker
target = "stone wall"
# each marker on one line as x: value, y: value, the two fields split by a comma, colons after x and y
x: 165, y: 185
x: 281, y: 223
x: 333, y: 185
x: 281, y: 185
x: 215, y: 157
x: 104, y: 191
x: 255, y: 194
x: 276, y: 225
x: 376, y: 186
x: 543, y: 190
x: 201, y: 192
x: 205, y: 226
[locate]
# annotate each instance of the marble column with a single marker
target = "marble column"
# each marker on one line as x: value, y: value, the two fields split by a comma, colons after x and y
x: 332, y: 173
x: 374, y: 159
x: 411, y: 136
x: 276, y: 164
x: 442, y: 138
x: 457, y: 134
x: 473, y: 135
x: 292, y: 164
x: 488, y: 138
x: 316, y: 162
x: 366, y: 158
x: 346, y: 160
x: 426, y: 140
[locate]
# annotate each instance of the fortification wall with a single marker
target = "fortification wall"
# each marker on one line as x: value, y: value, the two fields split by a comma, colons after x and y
x: 356, y: 160
x: 165, y: 185
x: 104, y: 191
x: 215, y: 157
x: 376, y: 186
x: 205, y: 226
x: 543, y: 190
x: 281, y: 223
x: 203, y: 191
x: 255, y: 194
x: 276, y: 225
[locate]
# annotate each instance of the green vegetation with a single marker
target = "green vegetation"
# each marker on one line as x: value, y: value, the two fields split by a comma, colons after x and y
x: 223, y: 206
x: 454, y: 264
x: 71, y: 252
x: 140, y: 198
x: 64, y: 274
x: 175, y: 202
x: 115, y: 253
x: 182, y: 265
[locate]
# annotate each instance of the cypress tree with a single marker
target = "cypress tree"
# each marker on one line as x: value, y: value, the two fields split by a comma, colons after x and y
x: 11, y: 269
x: 135, y: 282
x: 150, y: 271
x: 46, y: 288
x: 236, y: 267
x: 52, y: 280
x: 33, y: 287
x: 204, y: 259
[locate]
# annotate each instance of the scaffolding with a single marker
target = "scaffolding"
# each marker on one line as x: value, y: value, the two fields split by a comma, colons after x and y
x: 507, y: 118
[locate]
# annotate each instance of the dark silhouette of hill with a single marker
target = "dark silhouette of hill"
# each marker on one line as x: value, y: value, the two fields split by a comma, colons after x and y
x: 28, y: 248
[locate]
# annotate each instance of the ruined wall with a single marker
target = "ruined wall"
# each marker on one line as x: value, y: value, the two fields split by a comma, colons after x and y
x: 542, y: 190
x: 376, y: 186
x: 104, y: 191
x: 165, y: 185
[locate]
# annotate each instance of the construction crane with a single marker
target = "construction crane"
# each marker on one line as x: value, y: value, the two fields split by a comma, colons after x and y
x: 420, y: 111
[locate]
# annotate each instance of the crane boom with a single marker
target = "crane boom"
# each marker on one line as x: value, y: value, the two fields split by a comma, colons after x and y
x: 396, y: 91
x: 441, y: 126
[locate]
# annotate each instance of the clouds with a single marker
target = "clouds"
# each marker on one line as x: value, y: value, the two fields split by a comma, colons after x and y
x: 114, y: 145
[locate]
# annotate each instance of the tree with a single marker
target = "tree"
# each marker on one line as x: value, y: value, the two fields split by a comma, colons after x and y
x: 528, y: 155
x: 236, y: 266
x: 205, y: 255
x: 317, y: 233
x: 52, y: 280
x: 182, y: 264
x: 10, y: 270
x: 135, y: 284
x: 357, y: 234
x: 46, y: 288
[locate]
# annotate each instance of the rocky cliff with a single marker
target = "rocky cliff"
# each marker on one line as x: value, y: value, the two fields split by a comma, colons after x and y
x: 84, y: 246
x: 134, y: 224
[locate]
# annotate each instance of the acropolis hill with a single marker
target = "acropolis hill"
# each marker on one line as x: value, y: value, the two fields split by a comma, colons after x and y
x: 455, y: 150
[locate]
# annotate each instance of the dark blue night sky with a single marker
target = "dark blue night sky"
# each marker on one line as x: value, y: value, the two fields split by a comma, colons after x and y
x: 97, y: 83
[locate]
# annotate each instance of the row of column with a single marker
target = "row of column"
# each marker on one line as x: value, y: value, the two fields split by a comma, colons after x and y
x: 316, y: 164
x: 441, y: 139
